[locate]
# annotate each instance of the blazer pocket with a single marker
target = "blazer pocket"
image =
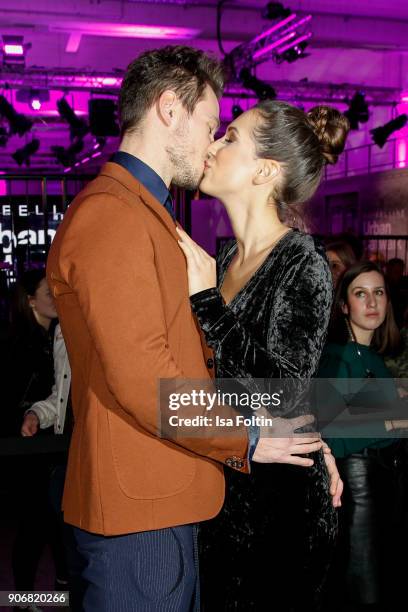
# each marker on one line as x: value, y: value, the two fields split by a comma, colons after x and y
x: 147, y: 467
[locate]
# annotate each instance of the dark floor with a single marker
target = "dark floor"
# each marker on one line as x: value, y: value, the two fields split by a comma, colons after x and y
x: 46, y: 573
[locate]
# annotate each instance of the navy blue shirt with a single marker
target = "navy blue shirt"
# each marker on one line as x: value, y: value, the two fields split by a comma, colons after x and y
x: 148, y: 177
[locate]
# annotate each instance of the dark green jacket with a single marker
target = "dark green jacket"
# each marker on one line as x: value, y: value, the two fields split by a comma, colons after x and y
x: 343, y: 363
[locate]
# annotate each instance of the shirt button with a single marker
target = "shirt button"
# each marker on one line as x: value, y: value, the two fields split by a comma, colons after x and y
x: 65, y: 375
x: 61, y: 400
x: 210, y: 363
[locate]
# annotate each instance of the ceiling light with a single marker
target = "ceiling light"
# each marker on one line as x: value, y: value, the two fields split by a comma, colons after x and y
x: 67, y: 157
x: 14, y: 50
x: 33, y: 97
x: 19, y: 124
x: 22, y: 155
x: 78, y: 127
x: 358, y: 110
x: 125, y: 30
x: 381, y: 134
x: 262, y: 90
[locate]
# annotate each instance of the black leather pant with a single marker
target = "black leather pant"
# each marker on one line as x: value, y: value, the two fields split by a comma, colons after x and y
x: 372, y: 526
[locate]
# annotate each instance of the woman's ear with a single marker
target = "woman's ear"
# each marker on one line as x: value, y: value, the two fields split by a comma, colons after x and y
x: 344, y: 308
x: 267, y: 170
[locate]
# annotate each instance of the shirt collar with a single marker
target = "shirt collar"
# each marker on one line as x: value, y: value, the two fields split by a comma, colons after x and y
x: 145, y: 174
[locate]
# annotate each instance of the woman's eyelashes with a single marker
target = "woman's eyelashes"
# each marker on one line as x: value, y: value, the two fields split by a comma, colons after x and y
x: 378, y: 292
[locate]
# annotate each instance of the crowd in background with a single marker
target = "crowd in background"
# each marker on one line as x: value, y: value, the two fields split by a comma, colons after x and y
x: 36, y: 403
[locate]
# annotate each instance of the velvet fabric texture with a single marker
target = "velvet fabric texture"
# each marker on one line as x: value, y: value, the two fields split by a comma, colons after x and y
x: 274, y: 537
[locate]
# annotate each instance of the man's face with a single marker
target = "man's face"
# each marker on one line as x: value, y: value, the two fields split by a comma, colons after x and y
x: 192, y: 137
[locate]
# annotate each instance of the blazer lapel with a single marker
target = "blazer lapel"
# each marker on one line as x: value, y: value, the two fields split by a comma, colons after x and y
x: 120, y: 174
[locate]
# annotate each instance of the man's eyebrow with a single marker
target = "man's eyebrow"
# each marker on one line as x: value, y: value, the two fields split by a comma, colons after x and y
x: 231, y: 127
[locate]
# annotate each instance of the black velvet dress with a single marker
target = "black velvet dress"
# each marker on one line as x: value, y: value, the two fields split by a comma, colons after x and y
x: 273, y: 540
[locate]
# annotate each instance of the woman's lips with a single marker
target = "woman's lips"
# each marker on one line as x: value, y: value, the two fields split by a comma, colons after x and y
x: 372, y: 314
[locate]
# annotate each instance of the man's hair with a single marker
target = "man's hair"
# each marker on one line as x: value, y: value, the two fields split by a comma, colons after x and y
x: 184, y: 70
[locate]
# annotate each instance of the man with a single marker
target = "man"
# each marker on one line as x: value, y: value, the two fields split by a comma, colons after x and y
x: 120, y: 283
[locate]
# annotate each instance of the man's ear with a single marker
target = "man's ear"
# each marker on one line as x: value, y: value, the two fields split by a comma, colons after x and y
x: 267, y: 170
x: 166, y: 106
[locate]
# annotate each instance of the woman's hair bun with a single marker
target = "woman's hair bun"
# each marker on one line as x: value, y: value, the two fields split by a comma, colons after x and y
x: 331, y: 128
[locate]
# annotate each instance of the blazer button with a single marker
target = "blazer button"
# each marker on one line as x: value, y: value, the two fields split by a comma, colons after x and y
x: 65, y: 375
x: 235, y: 462
x: 210, y: 363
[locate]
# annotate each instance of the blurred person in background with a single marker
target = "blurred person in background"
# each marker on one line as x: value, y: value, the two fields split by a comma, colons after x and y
x: 398, y: 284
x: 56, y: 411
x: 340, y: 255
x: 28, y: 377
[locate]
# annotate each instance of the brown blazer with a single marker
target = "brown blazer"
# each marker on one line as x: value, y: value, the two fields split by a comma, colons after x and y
x: 120, y: 283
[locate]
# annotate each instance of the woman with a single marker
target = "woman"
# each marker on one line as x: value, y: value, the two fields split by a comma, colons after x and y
x: 29, y: 365
x: 267, y: 318
x: 30, y: 377
x: 362, y: 330
x: 340, y: 256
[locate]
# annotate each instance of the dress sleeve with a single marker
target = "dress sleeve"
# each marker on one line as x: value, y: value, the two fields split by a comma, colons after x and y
x: 295, y: 328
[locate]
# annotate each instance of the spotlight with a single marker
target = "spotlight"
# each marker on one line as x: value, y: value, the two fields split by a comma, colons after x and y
x: 67, y: 157
x: 236, y: 111
x: 78, y: 127
x: 23, y: 155
x: 14, y: 51
x: 382, y: 133
x: 35, y: 104
x: 19, y: 124
x: 358, y: 110
x: 262, y: 90
x: 33, y: 97
x: 275, y: 10
x: 293, y: 54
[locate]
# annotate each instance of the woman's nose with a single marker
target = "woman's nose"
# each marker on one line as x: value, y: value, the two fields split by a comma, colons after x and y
x: 372, y: 302
x: 211, y: 151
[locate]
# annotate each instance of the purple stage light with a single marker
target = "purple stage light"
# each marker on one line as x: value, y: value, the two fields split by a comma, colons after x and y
x: 293, y: 43
x: 35, y: 104
x: 13, y: 49
x: 125, y: 30
x: 86, y: 159
x: 273, y: 45
x: 275, y: 27
x: 97, y: 154
x: 402, y: 153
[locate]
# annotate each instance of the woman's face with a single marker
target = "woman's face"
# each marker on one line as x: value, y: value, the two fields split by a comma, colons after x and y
x: 337, y: 267
x: 42, y: 302
x: 232, y: 162
x: 366, y: 301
